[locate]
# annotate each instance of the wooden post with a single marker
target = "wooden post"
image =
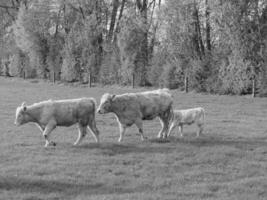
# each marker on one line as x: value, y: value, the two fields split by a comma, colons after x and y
x: 54, y: 77
x: 253, y: 86
x: 186, y: 84
x: 90, y: 79
x: 133, y: 77
x: 24, y: 74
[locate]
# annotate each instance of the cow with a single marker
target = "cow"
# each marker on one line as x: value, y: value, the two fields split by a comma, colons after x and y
x: 188, y: 117
x: 132, y: 108
x: 51, y: 113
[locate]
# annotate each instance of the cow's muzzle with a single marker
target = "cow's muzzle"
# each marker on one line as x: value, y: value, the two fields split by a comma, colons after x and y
x: 100, y: 111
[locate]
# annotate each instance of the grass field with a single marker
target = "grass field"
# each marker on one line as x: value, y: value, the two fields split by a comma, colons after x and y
x: 228, y: 162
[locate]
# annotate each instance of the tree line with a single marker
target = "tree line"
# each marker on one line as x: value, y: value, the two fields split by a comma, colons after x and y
x: 214, y: 46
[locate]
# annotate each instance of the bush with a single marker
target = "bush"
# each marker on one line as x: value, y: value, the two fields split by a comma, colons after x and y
x: 19, y: 64
x: 235, y: 76
x: 110, y: 69
x: 69, y: 70
x: 171, y: 77
x: 154, y: 73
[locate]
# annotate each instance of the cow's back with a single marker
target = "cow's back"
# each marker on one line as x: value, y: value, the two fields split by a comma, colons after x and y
x: 192, y: 115
x: 146, y: 105
x: 154, y: 103
x: 68, y: 112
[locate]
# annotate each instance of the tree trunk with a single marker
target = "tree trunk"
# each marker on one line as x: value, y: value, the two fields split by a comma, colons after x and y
x: 153, y: 37
x: 207, y: 15
x: 142, y: 56
x: 152, y: 42
x: 113, y: 19
x: 198, y: 38
x: 99, y: 48
x: 118, y: 21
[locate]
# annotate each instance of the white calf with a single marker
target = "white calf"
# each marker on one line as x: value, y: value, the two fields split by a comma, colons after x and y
x: 188, y: 117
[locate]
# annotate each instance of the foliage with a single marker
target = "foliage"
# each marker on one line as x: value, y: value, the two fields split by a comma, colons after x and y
x: 70, y: 69
x: 220, y: 46
x: 129, y: 42
x: 110, y: 69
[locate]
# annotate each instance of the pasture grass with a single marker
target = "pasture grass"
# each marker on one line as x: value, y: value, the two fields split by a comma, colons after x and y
x: 228, y: 162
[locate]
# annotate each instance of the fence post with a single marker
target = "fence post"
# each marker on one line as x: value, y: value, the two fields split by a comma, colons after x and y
x: 253, y: 86
x: 133, y: 77
x: 90, y: 79
x: 186, y: 84
x: 54, y: 77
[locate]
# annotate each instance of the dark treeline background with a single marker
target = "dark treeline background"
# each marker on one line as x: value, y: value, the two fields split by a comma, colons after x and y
x: 215, y: 46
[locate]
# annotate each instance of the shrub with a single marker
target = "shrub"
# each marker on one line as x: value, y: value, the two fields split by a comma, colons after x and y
x: 69, y: 70
x: 19, y: 64
x: 110, y: 69
x: 235, y: 76
x: 171, y: 77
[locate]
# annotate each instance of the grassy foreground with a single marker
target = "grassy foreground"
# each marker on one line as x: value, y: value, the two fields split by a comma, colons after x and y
x: 228, y: 162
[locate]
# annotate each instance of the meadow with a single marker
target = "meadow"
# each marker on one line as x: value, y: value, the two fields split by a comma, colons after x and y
x: 228, y: 162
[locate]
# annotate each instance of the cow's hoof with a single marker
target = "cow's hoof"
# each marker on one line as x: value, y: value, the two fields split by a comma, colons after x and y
x: 53, y: 144
x: 97, y: 140
x: 144, y: 138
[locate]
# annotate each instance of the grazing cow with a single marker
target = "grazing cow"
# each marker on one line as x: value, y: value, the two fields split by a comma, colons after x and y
x: 132, y: 108
x: 188, y: 117
x: 49, y: 114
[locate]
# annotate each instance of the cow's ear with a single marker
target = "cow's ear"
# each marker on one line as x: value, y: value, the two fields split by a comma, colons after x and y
x: 24, y: 107
x: 112, y: 96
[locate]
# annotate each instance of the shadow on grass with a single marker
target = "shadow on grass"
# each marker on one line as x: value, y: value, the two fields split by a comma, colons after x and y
x: 170, y: 144
x: 30, y: 185
x: 207, y: 141
x: 116, y: 148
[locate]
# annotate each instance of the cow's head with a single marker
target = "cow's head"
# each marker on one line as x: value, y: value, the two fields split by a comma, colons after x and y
x: 105, y: 103
x: 20, y: 114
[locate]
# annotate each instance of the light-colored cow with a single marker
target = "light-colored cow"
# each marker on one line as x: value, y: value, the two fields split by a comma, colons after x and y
x: 188, y: 117
x: 132, y: 108
x: 49, y: 114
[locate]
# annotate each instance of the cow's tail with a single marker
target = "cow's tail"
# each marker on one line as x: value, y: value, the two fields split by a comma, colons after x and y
x: 170, y: 116
x: 204, y: 115
x: 94, y: 105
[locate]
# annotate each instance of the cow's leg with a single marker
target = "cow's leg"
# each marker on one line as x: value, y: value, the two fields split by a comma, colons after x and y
x: 82, y: 133
x: 166, y: 127
x: 139, y: 125
x: 172, y: 126
x: 165, y: 124
x: 40, y: 127
x: 92, y: 127
x: 167, y: 118
x: 181, y: 130
x: 200, y: 129
x: 48, y: 129
x: 162, y: 128
x: 122, y: 131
